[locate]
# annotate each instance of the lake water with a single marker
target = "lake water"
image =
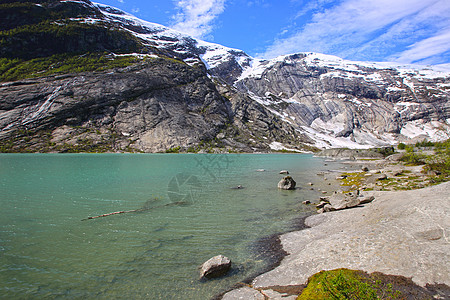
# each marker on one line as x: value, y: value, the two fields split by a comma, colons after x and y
x: 190, y: 214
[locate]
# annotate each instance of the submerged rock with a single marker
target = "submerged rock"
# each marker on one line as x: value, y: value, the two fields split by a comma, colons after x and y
x: 238, y: 187
x: 215, y: 267
x: 284, y: 172
x: 287, y: 183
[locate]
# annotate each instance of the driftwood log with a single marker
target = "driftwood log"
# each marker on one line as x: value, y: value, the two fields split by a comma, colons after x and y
x: 147, y: 206
x: 110, y: 214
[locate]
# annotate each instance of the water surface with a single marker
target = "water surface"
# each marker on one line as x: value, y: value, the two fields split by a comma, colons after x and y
x: 190, y: 213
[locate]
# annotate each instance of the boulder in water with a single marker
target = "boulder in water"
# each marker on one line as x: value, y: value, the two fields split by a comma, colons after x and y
x: 287, y: 183
x: 215, y: 267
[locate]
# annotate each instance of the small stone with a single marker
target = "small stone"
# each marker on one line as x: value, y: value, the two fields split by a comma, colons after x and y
x: 382, y: 176
x: 328, y: 208
x: 260, y: 170
x: 364, y: 200
x: 324, y: 192
x: 310, y: 183
x: 365, y: 169
x: 306, y: 202
x: 322, y: 204
x: 215, y: 267
x: 284, y: 172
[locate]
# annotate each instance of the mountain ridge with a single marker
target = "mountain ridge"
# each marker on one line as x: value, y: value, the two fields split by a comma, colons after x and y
x: 295, y: 102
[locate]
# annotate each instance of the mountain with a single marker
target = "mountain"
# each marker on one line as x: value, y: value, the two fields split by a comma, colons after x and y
x: 78, y: 76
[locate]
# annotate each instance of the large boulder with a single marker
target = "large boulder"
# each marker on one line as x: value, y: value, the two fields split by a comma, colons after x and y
x: 287, y: 183
x: 340, y: 200
x: 215, y: 267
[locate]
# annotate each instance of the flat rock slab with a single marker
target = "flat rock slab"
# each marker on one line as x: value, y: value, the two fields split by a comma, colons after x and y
x: 401, y: 233
x: 244, y: 293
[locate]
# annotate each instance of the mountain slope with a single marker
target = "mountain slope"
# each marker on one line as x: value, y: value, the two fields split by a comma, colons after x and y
x: 107, y: 81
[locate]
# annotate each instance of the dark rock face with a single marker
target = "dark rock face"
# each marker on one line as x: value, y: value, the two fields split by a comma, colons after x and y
x: 149, y: 107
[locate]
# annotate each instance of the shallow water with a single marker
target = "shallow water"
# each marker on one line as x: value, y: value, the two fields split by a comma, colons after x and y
x: 189, y: 213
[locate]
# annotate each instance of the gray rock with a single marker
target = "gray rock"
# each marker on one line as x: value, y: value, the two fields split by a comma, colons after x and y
x: 394, y: 157
x: 306, y: 202
x: 328, y: 208
x: 401, y: 233
x: 215, y: 267
x: 381, y: 176
x: 244, y: 293
x: 431, y: 235
x: 340, y: 200
x: 322, y: 203
x: 287, y: 183
x: 284, y: 172
x: 365, y: 200
x: 273, y: 295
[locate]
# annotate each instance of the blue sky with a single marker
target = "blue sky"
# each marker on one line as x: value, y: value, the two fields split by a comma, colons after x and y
x: 405, y: 31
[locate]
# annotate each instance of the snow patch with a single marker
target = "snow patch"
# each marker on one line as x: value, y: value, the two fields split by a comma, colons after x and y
x: 277, y: 146
x: 433, y: 131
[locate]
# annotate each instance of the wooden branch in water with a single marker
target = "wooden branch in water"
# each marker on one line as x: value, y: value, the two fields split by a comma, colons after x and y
x: 144, y: 208
x: 111, y: 214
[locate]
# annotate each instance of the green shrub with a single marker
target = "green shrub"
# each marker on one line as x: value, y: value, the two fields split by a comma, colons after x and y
x: 16, y: 69
x: 401, y: 146
x: 174, y: 150
x: 425, y: 143
x: 345, y: 284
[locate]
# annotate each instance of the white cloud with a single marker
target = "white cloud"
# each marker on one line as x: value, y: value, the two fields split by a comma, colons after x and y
x: 196, y: 17
x: 425, y: 49
x: 121, y: 1
x: 135, y: 10
x: 359, y: 29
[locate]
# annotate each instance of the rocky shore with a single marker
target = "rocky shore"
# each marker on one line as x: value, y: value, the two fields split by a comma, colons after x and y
x: 402, y: 232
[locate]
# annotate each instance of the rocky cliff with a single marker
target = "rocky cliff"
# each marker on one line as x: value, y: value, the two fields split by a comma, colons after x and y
x: 84, y: 77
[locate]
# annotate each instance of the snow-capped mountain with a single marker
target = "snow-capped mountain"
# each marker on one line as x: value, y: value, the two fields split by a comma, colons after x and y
x: 338, y: 103
x: 198, y: 93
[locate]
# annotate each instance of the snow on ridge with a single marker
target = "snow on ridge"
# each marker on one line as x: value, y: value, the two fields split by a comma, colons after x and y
x: 213, y: 54
x: 119, y: 15
x: 216, y: 54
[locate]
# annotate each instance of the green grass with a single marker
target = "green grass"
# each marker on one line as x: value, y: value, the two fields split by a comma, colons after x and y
x: 17, y: 69
x: 353, y: 179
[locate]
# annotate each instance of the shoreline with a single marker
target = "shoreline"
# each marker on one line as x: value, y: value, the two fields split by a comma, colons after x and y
x: 289, y: 277
x: 271, y: 246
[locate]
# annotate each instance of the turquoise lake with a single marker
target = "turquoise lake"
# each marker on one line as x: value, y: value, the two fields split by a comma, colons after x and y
x: 190, y: 213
